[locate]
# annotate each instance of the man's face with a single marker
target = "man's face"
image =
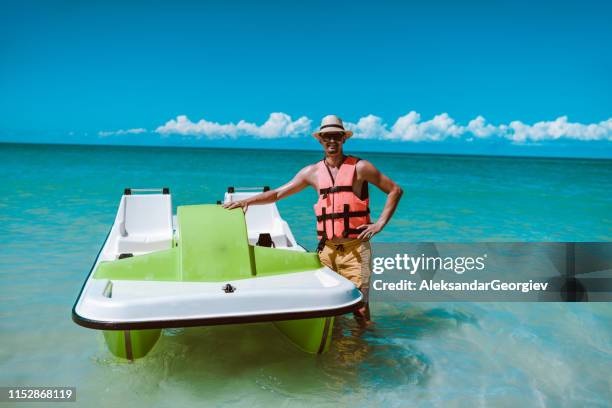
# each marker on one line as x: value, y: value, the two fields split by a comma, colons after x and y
x: 332, y: 142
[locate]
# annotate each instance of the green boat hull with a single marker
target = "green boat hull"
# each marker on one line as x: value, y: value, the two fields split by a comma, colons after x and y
x: 309, y: 335
x: 131, y: 344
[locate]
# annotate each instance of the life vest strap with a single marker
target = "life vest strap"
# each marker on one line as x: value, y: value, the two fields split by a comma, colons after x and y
x: 346, y: 217
x: 350, y: 231
x: 335, y: 189
x: 323, y: 234
x: 355, y: 231
x: 344, y: 214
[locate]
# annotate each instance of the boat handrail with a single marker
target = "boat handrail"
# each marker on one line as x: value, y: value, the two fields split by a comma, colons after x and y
x: 232, y: 189
x: 130, y: 191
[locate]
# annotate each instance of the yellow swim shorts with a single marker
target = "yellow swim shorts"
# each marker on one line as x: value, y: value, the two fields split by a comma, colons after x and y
x: 351, y: 259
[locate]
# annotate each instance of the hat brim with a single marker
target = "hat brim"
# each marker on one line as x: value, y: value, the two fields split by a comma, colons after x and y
x: 347, y: 133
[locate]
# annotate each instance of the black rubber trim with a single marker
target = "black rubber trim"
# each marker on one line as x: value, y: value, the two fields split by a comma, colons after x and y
x: 325, y: 335
x: 127, y: 338
x: 166, y: 190
x: 164, y: 324
x: 127, y: 191
x: 266, y: 188
x: 74, y: 313
x: 230, y: 189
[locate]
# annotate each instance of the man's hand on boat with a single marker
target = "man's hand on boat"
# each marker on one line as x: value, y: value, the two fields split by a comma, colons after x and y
x: 237, y: 204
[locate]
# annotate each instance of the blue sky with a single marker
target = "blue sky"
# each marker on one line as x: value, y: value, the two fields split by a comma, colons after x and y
x: 120, y: 72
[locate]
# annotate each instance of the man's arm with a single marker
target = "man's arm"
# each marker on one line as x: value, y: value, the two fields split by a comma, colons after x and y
x: 371, y: 174
x: 301, y: 180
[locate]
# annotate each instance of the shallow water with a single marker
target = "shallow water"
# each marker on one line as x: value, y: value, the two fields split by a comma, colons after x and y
x: 58, y: 202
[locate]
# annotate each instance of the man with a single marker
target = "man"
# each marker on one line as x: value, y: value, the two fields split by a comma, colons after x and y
x: 343, y: 215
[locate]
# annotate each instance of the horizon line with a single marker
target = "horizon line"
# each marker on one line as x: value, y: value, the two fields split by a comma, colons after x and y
x: 510, y: 156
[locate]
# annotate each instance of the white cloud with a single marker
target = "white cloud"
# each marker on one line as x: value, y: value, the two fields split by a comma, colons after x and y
x: 368, y: 127
x: 560, y: 128
x: 121, y: 132
x: 411, y: 128
x: 408, y: 128
x: 278, y: 125
x: 480, y: 128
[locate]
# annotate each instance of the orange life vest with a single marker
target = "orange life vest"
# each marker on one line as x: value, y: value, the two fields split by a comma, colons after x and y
x: 339, y: 210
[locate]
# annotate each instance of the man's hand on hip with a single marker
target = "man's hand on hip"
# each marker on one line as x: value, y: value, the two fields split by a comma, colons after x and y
x: 369, y: 230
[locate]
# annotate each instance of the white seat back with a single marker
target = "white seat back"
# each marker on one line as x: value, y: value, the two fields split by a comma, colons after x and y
x: 148, y: 215
x: 259, y: 218
x: 264, y: 218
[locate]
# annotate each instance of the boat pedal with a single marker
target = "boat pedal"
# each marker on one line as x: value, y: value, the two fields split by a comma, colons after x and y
x: 229, y: 288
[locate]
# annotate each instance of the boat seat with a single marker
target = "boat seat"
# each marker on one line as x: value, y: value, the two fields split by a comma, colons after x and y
x: 146, y: 224
x: 220, y: 254
x: 264, y: 219
x: 279, y: 239
x: 144, y: 243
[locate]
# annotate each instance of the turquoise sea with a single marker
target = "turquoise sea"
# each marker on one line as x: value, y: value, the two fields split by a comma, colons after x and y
x: 58, y: 202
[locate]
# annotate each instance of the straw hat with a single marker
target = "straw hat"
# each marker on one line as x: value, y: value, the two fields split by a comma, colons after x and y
x: 332, y: 124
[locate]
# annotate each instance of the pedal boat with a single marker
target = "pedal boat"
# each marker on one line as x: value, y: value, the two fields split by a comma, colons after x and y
x: 204, y: 266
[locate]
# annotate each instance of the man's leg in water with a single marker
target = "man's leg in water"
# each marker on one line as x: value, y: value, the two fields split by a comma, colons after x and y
x: 365, y: 256
x: 352, y: 260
